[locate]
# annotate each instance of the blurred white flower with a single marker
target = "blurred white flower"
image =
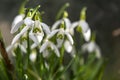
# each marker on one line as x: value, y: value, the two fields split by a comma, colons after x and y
x: 15, y: 44
x: 59, y: 22
x: 18, y: 23
x: 86, y: 31
x: 36, y: 34
x: 92, y: 47
x: 11, y: 48
x: 28, y: 22
x: 60, y: 37
x: 68, y: 46
x: 48, y: 44
x: 33, y: 56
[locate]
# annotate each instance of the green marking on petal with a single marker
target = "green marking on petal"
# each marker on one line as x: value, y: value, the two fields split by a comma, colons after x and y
x: 60, y: 36
x: 35, y: 30
x: 62, y: 25
x: 79, y: 29
x: 23, y: 38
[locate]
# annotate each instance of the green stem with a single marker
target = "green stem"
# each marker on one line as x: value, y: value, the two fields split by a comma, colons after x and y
x: 61, y: 11
x: 35, y: 10
x: 34, y: 74
x: 68, y: 65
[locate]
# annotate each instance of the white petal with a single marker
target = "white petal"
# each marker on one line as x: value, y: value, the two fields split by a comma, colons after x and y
x: 59, y: 42
x: 17, y: 22
x: 44, y: 46
x: 34, y: 45
x: 87, y: 35
x: 85, y: 47
x: 28, y: 21
x: 37, y: 23
x: 15, y: 39
x: 46, y: 28
x: 33, y: 56
x: 68, y: 46
x: 56, y: 24
x: 46, y: 65
x: 24, y: 43
x: 45, y: 53
x: 22, y: 48
x: 91, y: 47
x: 98, y: 52
x: 9, y: 48
x: 24, y: 30
x: 17, y: 19
x: 39, y: 38
x: 67, y: 22
x: 16, y: 27
x: 75, y: 24
x: 52, y: 33
x: 84, y: 25
x: 69, y: 38
x: 71, y: 31
x: 55, y: 49
x: 33, y: 37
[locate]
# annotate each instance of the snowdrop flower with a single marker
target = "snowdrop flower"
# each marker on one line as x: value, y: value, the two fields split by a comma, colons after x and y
x: 12, y: 47
x: 92, y: 47
x: 68, y: 46
x: 86, y: 31
x: 59, y: 22
x: 33, y: 56
x: 85, y: 28
x: 60, y: 37
x: 65, y: 30
x: 28, y: 22
x: 48, y: 44
x: 22, y: 45
x: 36, y: 34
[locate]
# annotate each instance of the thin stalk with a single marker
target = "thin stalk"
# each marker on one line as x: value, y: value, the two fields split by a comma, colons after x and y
x: 34, y: 74
x: 61, y: 11
x: 35, y: 10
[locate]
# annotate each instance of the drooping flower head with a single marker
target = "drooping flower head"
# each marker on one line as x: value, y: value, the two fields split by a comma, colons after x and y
x: 64, y: 26
x: 82, y: 24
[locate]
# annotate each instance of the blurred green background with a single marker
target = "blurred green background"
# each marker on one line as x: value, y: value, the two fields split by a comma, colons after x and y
x: 103, y: 17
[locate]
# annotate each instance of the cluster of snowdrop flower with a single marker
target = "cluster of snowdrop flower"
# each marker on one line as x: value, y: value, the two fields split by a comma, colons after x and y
x: 30, y: 28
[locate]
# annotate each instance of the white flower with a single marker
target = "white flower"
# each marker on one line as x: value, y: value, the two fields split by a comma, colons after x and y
x: 92, y: 47
x: 65, y: 30
x: 68, y: 46
x: 60, y: 37
x: 57, y: 23
x: 28, y: 22
x: 15, y: 44
x: 36, y: 34
x: 33, y: 56
x: 11, y: 48
x: 85, y: 28
x: 48, y: 44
